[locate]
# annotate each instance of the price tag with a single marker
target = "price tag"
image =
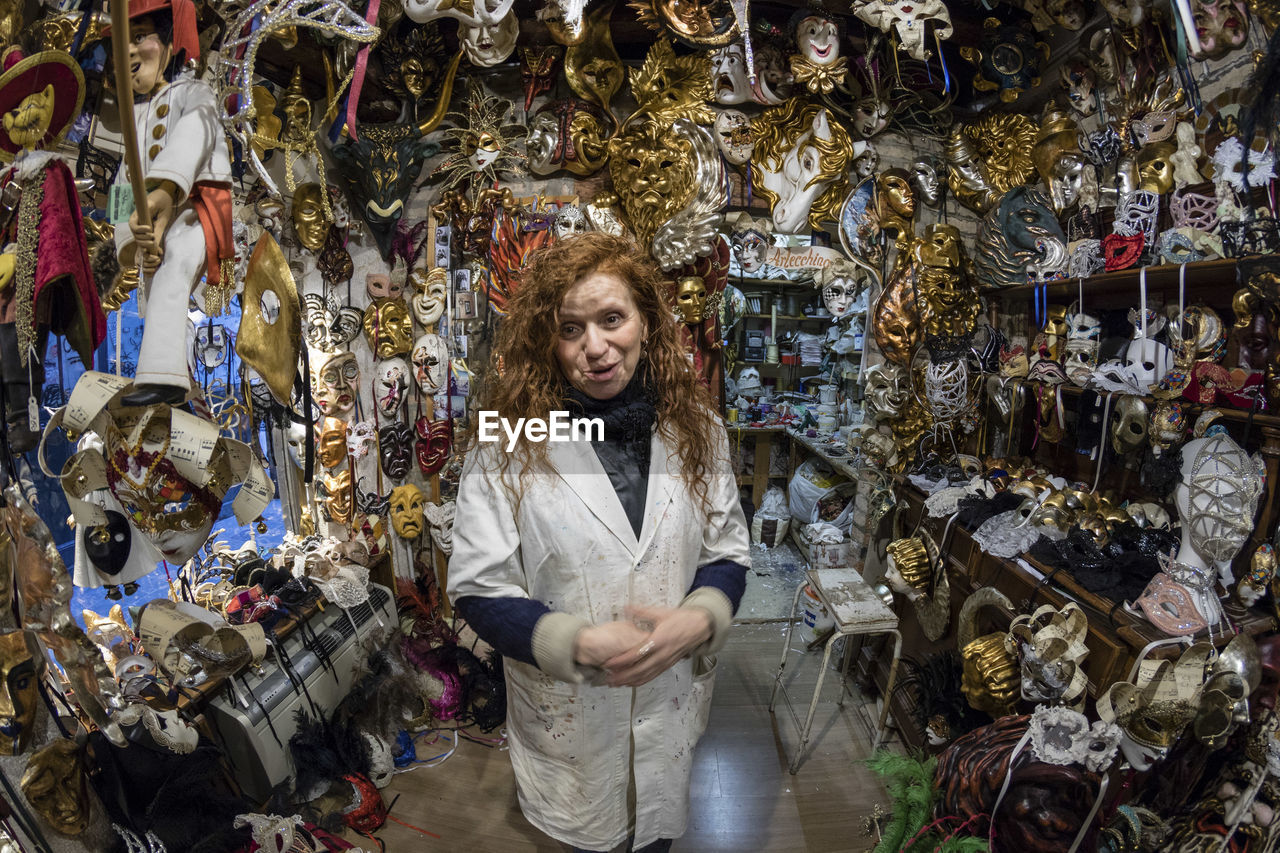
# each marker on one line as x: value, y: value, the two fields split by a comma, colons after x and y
x: 33, y: 414
x: 119, y: 203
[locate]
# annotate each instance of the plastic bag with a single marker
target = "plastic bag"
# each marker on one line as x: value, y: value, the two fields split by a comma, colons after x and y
x: 774, y: 504
x: 812, y: 481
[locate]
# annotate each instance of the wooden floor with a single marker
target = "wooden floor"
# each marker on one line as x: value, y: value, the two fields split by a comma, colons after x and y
x: 743, y: 798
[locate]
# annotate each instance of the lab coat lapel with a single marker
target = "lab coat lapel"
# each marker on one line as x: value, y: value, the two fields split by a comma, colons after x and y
x: 660, y: 491
x: 577, y: 464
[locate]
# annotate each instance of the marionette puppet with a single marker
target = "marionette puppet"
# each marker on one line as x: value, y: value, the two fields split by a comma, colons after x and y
x: 46, y: 283
x: 187, y: 171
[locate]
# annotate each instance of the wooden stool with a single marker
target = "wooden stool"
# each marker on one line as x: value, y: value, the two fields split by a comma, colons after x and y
x: 857, y: 610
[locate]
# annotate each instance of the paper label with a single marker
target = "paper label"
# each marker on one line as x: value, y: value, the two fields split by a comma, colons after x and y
x: 191, y: 443
x: 119, y: 203
x: 90, y: 396
x: 33, y: 414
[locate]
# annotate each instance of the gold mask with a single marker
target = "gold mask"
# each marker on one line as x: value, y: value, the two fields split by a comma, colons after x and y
x: 592, y: 66
x: 990, y: 157
x: 1155, y: 167
x: 691, y: 299
x: 310, y: 222
x: 20, y: 692
x: 652, y: 169
x: 667, y: 87
x: 951, y: 304
x: 991, y: 681
x: 338, y: 499
x: 1058, y: 134
x: 388, y: 328
x: 331, y: 446
x: 54, y: 785
x: 895, y: 322
x: 897, y: 204
x: 297, y: 110
x: 407, y: 502
x: 270, y: 338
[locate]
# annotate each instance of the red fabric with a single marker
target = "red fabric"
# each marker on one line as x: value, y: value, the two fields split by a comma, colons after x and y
x: 213, y: 207
x: 65, y: 293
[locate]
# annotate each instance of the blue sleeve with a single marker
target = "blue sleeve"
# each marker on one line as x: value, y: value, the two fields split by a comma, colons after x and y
x: 725, y: 575
x: 504, y: 623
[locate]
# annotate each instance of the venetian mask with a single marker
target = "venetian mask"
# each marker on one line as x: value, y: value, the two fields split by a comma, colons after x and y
x: 925, y: 181
x: 691, y: 299
x: 1252, y: 335
x: 991, y: 680
x: 569, y: 221
x: 331, y: 444
x: 774, y: 82
x: 653, y: 173
x: 360, y: 439
x: 1155, y: 167
x: 18, y: 699
x: 387, y: 327
x: 1019, y: 231
x: 381, y: 166
x: 1219, y: 496
x: 563, y: 19
x: 729, y: 82
x: 911, y: 20
x: 334, y: 383
x: 296, y: 442
x: 866, y: 159
x: 896, y: 201
x: 1080, y: 82
x: 733, y: 135
x: 802, y: 158
x: 488, y: 43
x: 390, y: 383
x: 1008, y: 60
x: 870, y: 116
x: 407, y: 502
x: 538, y: 67
x: 1221, y: 25
x: 838, y: 296
x: 395, y: 449
x: 338, y: 499
x: 432, y: 444
x: 430, y: 361
x: 818, y: 40
x: 310, y: 222
x: 569, y: 135
x: 54, y: 784
x: 1067, y: 180
x: 430, y: 293
x: 383, y: 286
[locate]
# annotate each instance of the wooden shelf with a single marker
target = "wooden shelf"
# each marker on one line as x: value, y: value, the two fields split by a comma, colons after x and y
x: 1160, y: 279
x: 743, y: 283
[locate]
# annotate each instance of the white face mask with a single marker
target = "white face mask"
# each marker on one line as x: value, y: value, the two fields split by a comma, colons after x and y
x: 429, y: 296
x: 487, y: 44
x: 392, y: 382
x: 729, y: 75
x: 818, y: 40
x: 296, y: 438
x: 838, y: 296
x: 430, y: 361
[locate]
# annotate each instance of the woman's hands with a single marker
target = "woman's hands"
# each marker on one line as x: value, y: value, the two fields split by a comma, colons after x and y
x: 674, y: 633
x: 597, y: 644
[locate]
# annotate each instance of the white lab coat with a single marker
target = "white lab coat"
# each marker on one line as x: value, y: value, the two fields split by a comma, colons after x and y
x: 570, y: 545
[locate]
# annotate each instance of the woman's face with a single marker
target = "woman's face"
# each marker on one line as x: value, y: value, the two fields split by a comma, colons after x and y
x: 599, y: 336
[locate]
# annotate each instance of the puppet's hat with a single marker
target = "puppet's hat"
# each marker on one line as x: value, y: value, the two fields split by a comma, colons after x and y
x: 28, y: 75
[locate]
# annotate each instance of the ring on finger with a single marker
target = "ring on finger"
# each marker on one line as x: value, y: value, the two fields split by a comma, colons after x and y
x: 645, y: 650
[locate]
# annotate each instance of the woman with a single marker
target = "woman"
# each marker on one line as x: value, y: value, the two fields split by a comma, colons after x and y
x: 603, y: 571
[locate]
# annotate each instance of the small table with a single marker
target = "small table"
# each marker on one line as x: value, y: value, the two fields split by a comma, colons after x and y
x: 857, y: 610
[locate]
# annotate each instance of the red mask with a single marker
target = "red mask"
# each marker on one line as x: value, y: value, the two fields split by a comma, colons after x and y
x: 1121, y: 252
x: 369, y: 813
x: 432, y: 444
